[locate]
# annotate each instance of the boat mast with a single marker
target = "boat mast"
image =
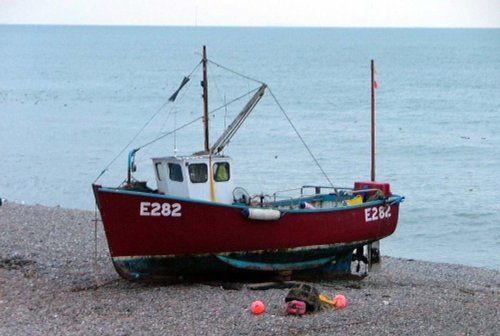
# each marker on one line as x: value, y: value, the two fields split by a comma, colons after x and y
x: 205, y: 98
x: 373, y: 121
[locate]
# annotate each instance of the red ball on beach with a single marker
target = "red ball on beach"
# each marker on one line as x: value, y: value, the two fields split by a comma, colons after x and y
x: 257, y: 307
x: 340, y: 301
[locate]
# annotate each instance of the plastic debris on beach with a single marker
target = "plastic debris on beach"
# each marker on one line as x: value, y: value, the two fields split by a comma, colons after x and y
x: 303, y: 298
x: 305, y: 293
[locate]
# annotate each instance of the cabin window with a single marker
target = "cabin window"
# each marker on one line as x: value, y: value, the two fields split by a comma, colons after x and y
x: 160, y: 172
x: 198, y: 172
x: 221, y: 171
x: 175, y: 172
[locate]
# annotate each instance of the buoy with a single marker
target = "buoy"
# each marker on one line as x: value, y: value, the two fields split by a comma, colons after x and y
x: 340, y: 301
x: 257, y: 307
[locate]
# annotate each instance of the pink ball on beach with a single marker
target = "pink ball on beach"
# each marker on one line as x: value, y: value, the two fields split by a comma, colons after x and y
x: 340, y: 301
x: 257, y: 307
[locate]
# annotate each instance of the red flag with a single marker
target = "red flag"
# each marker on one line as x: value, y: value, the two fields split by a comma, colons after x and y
x: 375, y: 85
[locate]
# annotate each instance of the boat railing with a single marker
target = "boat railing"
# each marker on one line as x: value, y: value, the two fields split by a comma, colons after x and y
x: 339, y: 190
x: 309, y: 191
x: 297, y: 195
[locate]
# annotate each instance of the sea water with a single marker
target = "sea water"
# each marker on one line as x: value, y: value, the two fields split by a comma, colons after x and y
x: 74, y: 100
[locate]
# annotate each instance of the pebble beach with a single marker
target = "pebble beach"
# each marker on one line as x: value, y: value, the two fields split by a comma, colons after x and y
x: 57, y: 278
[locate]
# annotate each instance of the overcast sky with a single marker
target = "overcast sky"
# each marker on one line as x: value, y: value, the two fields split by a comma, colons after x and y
x: 322, y: 13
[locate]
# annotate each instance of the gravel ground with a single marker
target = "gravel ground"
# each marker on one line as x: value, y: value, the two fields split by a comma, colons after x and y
x: 57, y: 279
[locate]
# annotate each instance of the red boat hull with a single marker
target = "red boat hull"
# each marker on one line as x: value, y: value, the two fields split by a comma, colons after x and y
x: 148, y: 226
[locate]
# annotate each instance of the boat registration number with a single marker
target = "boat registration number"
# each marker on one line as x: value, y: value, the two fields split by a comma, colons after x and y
x: 376, y: 213
x: 156, y: 209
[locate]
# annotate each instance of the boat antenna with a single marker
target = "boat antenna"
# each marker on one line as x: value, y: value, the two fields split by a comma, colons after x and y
x: 373, y: 87
x: 204, y: 83
x: 175, y: 134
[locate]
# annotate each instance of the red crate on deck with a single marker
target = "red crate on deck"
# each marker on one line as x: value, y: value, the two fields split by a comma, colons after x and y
x: 382, y: 186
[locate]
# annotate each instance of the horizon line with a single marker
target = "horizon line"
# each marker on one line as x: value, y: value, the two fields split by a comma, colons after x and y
x: 242, y: 26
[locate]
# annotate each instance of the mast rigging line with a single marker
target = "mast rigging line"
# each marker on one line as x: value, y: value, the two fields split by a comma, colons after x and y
x: 286, y: 116
x: 170, y: 132
x: 302, y: 140
x: 142, y: 129
x: 235, y: 72
x: 213, y: 111
x: 194, y: 120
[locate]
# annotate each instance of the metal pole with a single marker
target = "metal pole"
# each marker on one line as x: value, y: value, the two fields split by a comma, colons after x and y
x: 205, y: 98
x: 373, y: 250
x: 373, y: 122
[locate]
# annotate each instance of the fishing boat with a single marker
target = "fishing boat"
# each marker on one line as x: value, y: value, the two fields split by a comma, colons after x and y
x: 197, y: 222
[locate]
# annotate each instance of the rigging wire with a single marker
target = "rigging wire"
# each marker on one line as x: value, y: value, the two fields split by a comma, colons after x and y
x: 215, y: 110
x: 195, y: 120
x: 235, y: 72
x: 140, y: 131
x: 168, y: 133
x: 302, y: 140
x: 234, y: 100
x: 286, y: 116
x: 96, y: 274
x: 173, y: 110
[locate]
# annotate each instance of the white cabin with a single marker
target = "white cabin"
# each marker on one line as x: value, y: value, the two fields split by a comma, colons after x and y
x: 204, y: 177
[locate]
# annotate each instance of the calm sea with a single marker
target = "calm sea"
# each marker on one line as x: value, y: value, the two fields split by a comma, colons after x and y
x: 71, y: 98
